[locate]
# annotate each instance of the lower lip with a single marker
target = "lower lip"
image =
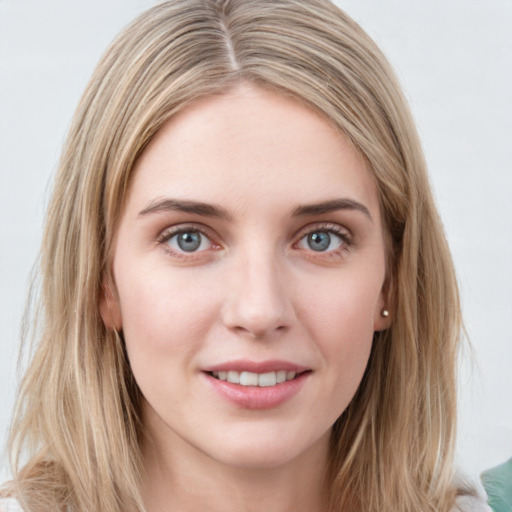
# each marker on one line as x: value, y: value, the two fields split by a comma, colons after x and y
x: 256, y: 397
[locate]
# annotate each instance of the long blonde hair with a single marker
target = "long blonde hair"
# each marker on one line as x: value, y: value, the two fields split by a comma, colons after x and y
x: 76, y: 432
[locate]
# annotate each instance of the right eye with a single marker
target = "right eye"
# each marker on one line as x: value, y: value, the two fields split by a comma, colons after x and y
x: 187, y: 241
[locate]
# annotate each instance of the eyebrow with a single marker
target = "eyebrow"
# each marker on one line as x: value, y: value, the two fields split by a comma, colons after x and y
x: 212, y: 210
x: 185, y: 206
x: 330, y: 206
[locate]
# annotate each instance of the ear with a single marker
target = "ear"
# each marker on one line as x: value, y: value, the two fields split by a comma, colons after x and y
x: 109, y: 306
x: 381, y: 320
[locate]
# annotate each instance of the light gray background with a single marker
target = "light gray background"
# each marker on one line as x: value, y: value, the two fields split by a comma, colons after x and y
x: 454, y: 59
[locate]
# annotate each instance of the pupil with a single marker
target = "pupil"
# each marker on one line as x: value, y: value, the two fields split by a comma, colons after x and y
x: 319, y: 241
x: 189, y: 241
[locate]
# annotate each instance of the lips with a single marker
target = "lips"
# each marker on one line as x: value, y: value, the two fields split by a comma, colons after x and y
x: 257, y: 385
x: 246, y: 365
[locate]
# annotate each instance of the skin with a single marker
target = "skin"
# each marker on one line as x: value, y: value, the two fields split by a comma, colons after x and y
x: 254, y: 290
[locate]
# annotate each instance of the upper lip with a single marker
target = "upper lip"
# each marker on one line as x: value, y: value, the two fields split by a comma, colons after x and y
x: 256, y: 366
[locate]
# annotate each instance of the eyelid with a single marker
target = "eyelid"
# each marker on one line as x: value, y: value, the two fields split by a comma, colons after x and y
x: 171, y: 231
x: 332, y: 227
x: 342, y: 232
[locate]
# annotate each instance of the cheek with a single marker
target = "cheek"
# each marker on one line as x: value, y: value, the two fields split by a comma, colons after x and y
x: 344, y: 307
x: 344, y: 336
x: 165, y: 316
x: 341, y: 321
x: 164, y: 313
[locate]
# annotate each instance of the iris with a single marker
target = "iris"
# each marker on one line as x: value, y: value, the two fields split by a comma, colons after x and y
x: 189, y: 241
x: 319, y: 241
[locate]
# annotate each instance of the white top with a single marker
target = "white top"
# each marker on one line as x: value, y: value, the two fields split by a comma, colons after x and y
x: 9, y: 505
x: 463, y: 504
x: 469, y: 503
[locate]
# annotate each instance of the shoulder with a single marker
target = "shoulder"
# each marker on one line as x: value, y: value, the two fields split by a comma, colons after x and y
x: 9, y: 505
x: 471, y: 496
x: 469, y: 503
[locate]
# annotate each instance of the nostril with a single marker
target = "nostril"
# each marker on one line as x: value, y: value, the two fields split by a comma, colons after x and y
x: 257, y: 309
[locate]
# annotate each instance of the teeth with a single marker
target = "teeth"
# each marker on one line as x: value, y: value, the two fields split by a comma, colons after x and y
x: 249, y: 379
x: 255, y: 379
x: 280, y: 376
x: 233, y: 377
x: 267, y: 379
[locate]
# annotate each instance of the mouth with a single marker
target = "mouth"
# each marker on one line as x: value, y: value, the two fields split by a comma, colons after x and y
x: 267, y: 379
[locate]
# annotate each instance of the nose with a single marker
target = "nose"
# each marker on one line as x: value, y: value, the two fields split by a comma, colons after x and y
x: 258, y: 298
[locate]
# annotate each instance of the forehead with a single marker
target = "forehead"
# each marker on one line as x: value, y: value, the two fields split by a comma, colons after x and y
x: 251, y: 144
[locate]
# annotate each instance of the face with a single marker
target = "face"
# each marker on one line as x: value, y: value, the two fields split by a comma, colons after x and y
x: 249, y: 269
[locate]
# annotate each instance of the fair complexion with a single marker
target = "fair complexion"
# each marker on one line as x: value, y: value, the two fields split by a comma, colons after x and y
x: 252, y: 242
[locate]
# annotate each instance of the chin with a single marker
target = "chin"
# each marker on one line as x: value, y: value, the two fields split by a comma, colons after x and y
x: 269, y: 452
x: 255, y: 458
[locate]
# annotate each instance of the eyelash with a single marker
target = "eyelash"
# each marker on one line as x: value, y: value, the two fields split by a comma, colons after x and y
x: 333, y: 255
x: 343, y: 234
x: 168, y: 234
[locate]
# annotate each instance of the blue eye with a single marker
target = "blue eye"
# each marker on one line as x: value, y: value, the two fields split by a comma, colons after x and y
x: 189, y: 241
x: 319, y: 241
x: 322, y: 241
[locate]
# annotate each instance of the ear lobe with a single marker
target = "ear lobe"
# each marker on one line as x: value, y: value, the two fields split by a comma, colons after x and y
x: 383, y: 313
x: 109, y: 307
x: 382, y: 319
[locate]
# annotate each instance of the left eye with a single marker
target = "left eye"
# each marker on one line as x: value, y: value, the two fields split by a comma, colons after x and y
x: 321, y: 241
x: 189, y: 241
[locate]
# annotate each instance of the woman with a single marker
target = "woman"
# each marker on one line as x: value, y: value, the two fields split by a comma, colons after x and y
x: 247, y: 300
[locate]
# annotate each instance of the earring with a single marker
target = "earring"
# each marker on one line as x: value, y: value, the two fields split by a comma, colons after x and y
x: 385, y: 313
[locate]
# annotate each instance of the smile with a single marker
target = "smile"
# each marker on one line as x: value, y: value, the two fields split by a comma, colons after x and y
x: 254, y: 390
x: 246, y: 378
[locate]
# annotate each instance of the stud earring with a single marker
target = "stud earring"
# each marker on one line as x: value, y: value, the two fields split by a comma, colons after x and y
x: 385, y: 313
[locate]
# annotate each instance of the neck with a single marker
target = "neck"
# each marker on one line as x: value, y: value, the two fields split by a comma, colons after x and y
x: 181, y: 478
